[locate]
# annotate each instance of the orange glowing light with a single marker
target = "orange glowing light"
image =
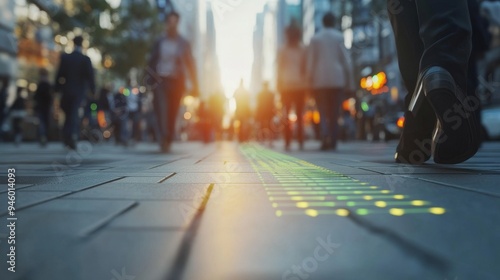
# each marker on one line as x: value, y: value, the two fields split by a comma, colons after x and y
x: 401, y: 122
x: 101, y: 119
x: 187, y: 116
x: 346, y: 105
x: 316, y: 117
x: 363, y: 83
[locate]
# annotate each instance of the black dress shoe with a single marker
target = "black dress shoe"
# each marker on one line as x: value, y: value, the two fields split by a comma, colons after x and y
x: 415, y: 144
x: 455, y: 137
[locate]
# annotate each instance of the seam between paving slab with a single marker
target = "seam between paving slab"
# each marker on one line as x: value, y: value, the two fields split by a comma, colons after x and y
x: 66, y: 193
x: 489, y: 194
x: 179, y: 265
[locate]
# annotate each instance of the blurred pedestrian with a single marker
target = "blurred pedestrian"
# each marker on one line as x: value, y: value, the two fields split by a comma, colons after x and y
x: 134, y: 103
x: 170, y: 59
x: 120, y: 117
x: 74, y: 77
x: 17, y: 113
x: 205, y: 122
x: 329, y: 73
x: 265, y: 114
x: 217, y: 103
x: 43, y: 99
x: 433, y: 40
x: 243, y: 112
x: 291, y: 82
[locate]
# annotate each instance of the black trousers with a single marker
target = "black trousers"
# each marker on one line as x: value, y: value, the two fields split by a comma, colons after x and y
x: 431, y: 33
x: 295, y: 98
x: 167, y: 102
x: 70, y: 104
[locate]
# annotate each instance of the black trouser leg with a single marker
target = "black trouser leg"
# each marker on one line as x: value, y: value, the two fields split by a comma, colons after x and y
x: 446, y: 31
x: 174, y: 103
x: 287, y: 104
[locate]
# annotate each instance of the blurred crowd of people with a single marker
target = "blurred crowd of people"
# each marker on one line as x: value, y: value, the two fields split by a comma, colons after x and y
x: 321, y: 72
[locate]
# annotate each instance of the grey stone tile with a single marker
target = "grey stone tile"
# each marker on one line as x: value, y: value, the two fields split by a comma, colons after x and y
x: 158, y: 214
x: 135, y: 191
x: 144, y: 179
x: 223, y: 177
x: 25, y: 199
x: 72, y: 183
x: 106, y: 255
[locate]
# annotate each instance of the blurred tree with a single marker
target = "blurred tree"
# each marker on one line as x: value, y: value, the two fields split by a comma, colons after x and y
x: 123, y: 35
x: 131, y: 38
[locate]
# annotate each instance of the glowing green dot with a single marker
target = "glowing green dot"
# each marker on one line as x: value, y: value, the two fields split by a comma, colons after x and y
x: 362, y: 212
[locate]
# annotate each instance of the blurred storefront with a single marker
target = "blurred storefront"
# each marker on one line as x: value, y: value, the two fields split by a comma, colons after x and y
x: 8, y: 45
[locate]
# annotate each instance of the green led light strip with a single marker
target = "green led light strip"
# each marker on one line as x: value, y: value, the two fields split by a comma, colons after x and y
x: 308, y: 189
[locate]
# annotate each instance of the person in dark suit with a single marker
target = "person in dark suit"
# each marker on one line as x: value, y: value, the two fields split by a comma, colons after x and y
x: 433, y: 39
x: 43, y: 99
x: 74, y: 77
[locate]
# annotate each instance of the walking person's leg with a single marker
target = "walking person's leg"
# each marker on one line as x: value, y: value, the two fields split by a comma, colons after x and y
x: 417, y: 129
x: 160, y: 105
x: 286, y: 98
x: 43, y: 125
x: 74, y: 125
x: 174, y: 97
x: 324, y: 112
x: 299, y: 110
x: 335, y: 99
x: 445, y: 31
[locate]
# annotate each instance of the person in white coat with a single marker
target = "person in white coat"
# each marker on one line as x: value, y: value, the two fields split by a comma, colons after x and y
x: 329, y: 75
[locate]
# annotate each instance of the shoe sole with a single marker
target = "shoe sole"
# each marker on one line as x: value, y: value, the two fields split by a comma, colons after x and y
x: 438, y: 86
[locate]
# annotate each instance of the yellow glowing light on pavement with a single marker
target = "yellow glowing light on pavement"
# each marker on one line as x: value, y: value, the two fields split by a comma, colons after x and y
x: 381, y: 204
x: 437, y: 210
x: 342, y: 212
x: 302, y: 204
x: 279, y: 213
x: 373, y: 187
x: 367, y: 197
x: 312, y: 213
x: 385, y: 191
x: 397, y: 212
x: 399, y: 196
x: 418, y: 203
x: 275, y: 205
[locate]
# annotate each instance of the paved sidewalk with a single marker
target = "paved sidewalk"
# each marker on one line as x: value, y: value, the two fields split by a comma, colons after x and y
x: 224, y: 211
